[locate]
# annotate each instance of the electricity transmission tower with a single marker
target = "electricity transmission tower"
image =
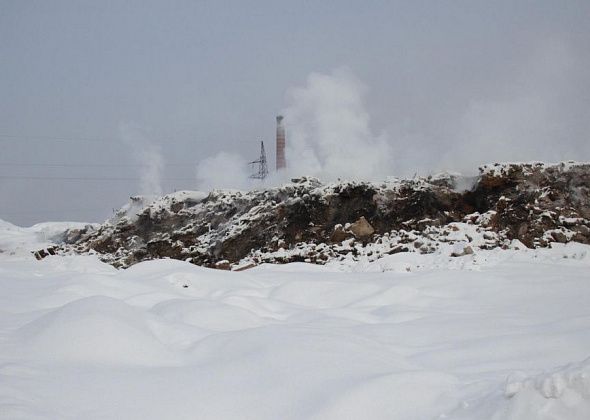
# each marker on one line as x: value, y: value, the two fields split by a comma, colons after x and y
x: 262, y: 170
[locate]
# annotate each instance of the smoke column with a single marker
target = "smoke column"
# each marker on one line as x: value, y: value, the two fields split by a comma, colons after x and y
x: 224, y: 170
x: 147, y: 155
x: 537, y: 110
x: 329, y: 132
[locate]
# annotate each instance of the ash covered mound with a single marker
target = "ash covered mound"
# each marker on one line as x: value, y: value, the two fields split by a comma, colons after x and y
x: 507, y: 205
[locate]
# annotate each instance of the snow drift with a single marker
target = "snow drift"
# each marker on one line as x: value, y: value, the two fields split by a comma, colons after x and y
x: 497, y: 334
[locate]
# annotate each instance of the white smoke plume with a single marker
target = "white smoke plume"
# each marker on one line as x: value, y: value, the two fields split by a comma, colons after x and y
x: 528, y: 118
x: 536, y: 110
x: 224, y: 170
x: 328, y: 136
x: 148, y: 157
x: 328, y: 131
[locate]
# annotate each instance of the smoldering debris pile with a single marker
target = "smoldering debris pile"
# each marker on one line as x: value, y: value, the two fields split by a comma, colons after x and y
x: 508, y: 205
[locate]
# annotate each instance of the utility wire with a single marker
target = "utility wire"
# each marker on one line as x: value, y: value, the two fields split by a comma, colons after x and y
x: 13, y: 137
x: 68, y: 178
x: 48, y: 211
x: 84, y: 165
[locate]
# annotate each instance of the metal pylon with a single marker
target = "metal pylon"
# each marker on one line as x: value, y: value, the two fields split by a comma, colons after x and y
x: 262, y: 170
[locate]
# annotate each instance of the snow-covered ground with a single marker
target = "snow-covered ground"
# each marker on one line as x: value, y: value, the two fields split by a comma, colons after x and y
x: 492, y: 335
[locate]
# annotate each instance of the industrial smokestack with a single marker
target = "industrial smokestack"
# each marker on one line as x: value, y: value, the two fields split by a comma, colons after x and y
x: 280, y: 161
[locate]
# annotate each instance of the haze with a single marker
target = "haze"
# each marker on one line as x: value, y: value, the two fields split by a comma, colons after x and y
x: 103, y: 100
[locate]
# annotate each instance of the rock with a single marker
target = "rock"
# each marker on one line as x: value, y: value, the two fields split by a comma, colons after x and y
x: 559, y: 236
x: 488, y: 236
x: 362, y: 229
x: 461, y: 251
x: 522, y: 230
x: 398, y: 249
x: 73, y: 235
x: 511, y: 201
x: 243, y: 267
x: 42, y: 253
x: 223, y: 265
x: 583, y: 239
x: 339, y: 234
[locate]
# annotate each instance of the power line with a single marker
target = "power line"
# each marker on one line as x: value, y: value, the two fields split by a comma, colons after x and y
x: 10, y: 137
x: 14, y: 137
x: 26, y: 212
x: 68, y: 178
x: 85, y: 165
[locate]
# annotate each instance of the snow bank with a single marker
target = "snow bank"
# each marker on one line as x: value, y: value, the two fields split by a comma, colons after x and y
x: 167, y: 339
x: 562, y: 393
x: 156, y: 204
x: 95, y: 329
x: 20, y: 241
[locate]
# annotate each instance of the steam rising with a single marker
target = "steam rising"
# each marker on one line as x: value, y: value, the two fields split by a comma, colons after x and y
x: 530, y: 116
x: 148, y: 156
x: 224, y: 170
x: 328, y: 132
x: 535, y: 110
x: 328, y: 136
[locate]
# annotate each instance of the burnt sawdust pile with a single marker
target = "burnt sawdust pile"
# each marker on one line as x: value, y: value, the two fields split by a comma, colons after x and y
x: 507, y: 205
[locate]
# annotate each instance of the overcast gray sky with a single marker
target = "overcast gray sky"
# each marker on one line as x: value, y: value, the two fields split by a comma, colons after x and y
x: 105, y: 89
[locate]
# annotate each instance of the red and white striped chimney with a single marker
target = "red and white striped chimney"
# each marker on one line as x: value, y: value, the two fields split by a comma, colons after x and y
x: 280, y: 161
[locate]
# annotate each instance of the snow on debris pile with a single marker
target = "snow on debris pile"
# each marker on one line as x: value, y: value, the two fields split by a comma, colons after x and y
x: 561, y: 393
x: 39, y: 239
x: 534, y: 204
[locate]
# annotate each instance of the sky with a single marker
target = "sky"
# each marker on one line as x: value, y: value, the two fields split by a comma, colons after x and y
x: 100, y: 101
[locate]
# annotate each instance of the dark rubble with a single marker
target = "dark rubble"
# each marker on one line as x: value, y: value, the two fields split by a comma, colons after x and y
x: 535, y: 203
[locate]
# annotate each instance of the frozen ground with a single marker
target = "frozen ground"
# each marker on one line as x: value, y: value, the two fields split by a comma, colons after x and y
x: 493, y: 335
